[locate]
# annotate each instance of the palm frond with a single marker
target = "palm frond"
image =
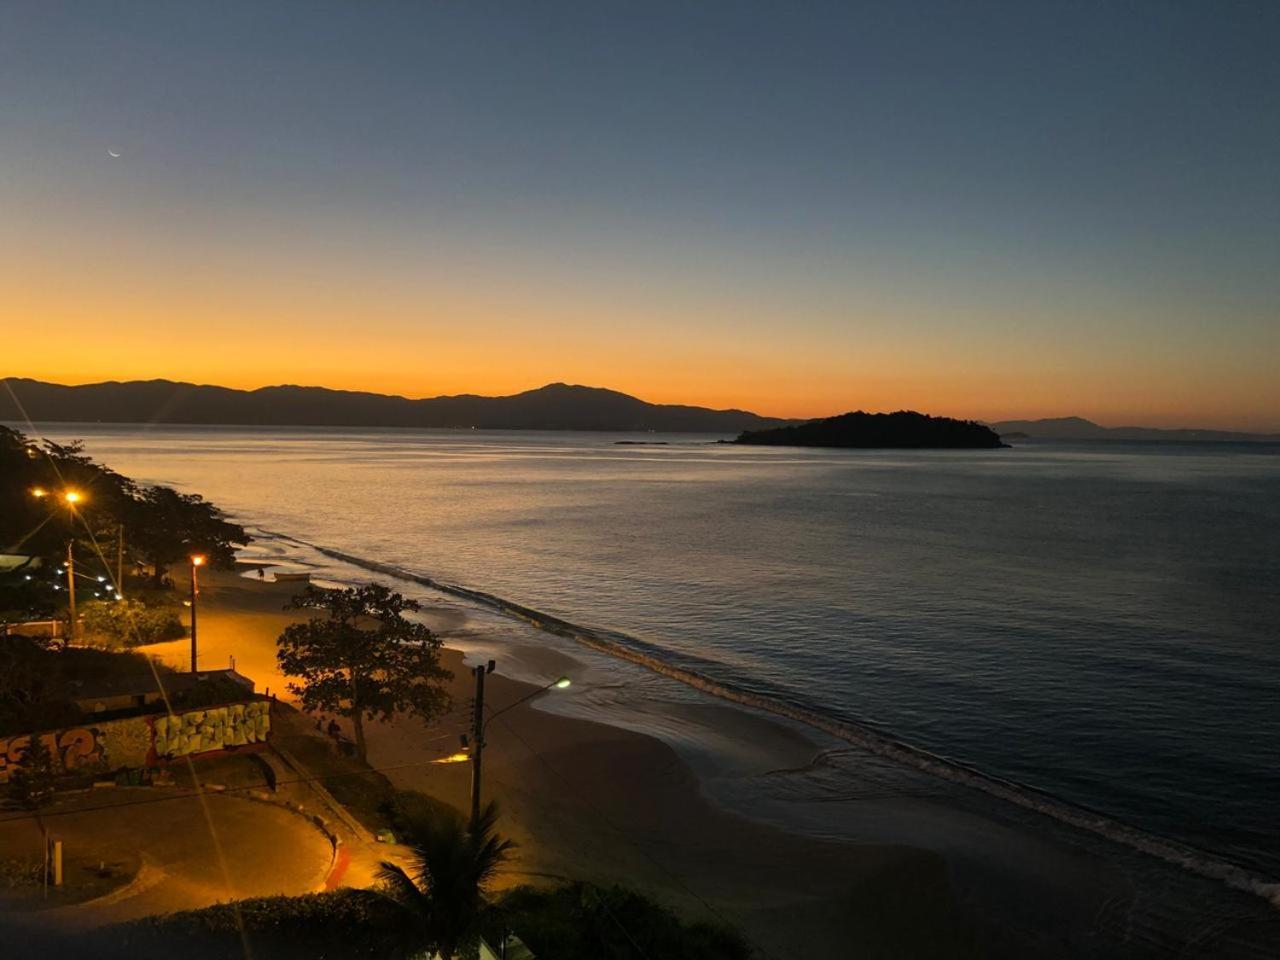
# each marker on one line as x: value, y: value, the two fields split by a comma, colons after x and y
x: 399, y: 886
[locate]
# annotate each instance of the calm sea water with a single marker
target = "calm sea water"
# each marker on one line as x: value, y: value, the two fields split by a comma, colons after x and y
x: 1099, y: 622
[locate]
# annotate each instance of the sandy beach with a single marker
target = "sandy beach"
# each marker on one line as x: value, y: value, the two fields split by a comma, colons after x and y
x: 590, y: 801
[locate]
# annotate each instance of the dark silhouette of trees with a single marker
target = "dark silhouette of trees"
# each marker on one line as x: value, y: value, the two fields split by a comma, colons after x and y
x: 166, y: 527
x: 904, y: 429
x: 161, y: 525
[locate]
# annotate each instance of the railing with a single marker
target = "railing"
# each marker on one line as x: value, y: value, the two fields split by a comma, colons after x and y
x: 45, y: 629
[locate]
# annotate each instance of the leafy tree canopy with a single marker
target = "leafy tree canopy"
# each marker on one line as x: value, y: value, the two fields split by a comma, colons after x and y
x: 166, y: 526
x: 363, y: 659
x: 161, y: 525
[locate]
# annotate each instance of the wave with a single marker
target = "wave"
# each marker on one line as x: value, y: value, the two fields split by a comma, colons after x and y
x: 630, y: 649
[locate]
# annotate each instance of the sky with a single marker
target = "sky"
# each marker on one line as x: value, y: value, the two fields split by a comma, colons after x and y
x: 800, y: 208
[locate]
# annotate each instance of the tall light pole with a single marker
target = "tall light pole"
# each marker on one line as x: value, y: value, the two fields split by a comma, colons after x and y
x: 120, y: 562
x: 70, y: 498
x: 480, y: 724
x: 197, y: 561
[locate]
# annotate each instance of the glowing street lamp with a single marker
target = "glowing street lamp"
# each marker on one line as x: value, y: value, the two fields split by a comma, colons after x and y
x: 70, y: 498
x: 481, y: 724
x: 197, y: 561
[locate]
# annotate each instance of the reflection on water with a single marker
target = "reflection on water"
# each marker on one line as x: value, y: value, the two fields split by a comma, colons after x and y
x: 1097, y: 621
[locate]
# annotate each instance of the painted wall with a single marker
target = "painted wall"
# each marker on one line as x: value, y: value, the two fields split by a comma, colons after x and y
x: 147, y: 741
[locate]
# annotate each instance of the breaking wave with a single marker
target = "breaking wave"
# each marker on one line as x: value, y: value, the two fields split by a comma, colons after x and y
x: 635, y: 651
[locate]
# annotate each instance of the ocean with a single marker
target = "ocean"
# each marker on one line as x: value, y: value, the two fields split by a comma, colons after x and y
x: 1091, y: 629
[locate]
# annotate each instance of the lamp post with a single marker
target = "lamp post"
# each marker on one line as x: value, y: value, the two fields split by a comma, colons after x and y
x: 70, y: 498
x: 480, y: 724
x: 197, y: 561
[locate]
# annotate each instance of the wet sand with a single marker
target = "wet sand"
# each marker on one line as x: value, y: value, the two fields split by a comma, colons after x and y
x: 589, y: 801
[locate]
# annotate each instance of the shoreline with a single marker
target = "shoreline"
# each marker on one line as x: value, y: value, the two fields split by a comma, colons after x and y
x: 585, y: 800
x: 1199, y: 862
x: 928, y: 875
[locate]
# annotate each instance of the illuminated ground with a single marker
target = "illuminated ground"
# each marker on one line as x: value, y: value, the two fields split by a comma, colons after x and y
x: 180, y: 853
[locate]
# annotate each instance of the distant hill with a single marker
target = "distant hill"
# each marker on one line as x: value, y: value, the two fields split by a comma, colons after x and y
x: 557, y: 406
x: 904, y: 429
x: 1077, y: 428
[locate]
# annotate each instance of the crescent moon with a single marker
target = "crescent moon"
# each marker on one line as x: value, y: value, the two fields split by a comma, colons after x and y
x: 112, y: 153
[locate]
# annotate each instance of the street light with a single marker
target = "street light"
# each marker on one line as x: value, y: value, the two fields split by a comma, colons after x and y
x: 481, y: 724
x: 197, y: 561
x: 70, y: 498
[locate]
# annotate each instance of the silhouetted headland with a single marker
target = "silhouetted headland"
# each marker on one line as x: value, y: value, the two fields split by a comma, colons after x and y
x: 1078, y: 428
x: 904, y: 429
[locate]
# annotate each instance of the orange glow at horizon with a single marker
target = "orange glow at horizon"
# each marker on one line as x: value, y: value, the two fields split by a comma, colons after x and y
x: 136, y: 314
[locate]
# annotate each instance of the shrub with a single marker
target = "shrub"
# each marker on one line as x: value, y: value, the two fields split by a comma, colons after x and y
x: 581, y: 921
x: 128, y: 623
x: 353, y: 924
x: 32, y: 781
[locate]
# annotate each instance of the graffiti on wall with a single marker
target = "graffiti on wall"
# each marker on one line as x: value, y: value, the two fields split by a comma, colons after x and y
x: 146, y: 741
x: 74, y: 748
x: 205, y: 731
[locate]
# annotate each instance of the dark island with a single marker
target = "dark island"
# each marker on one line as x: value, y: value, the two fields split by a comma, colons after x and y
x: 905, y: 429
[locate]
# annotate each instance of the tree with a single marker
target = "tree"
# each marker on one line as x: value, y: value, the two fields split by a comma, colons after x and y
x: 41, y: 527
x: 363, y: 659
x: 451, y: 866
x: 32, y: 781
x: 166, y: 526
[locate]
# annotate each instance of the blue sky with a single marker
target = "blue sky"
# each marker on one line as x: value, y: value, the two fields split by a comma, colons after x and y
x: 976, y: 209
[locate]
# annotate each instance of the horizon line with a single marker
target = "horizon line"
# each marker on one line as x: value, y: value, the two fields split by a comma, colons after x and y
x: 582, y: 386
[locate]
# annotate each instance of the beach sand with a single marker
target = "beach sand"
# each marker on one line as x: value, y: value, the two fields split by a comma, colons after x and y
x: 594, y: 802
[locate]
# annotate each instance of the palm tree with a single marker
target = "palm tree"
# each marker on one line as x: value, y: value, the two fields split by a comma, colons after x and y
x: 451, y: 865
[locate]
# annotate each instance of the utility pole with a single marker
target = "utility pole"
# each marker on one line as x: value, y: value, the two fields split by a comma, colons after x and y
x: 477, y: 743
x: 120, y: 562
x: 479, y: 723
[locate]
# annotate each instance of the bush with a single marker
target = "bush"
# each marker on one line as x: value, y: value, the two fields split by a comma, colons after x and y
x: 348, y: 924
x: 581, y: 921
x: 32, y: 781
x: 129, y: 623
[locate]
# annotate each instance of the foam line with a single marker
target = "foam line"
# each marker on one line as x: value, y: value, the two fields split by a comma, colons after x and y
x: 1196, y: 861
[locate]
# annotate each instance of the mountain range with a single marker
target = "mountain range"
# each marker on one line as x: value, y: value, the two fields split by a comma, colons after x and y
x: 557, y: 406
x: 1078, y: 428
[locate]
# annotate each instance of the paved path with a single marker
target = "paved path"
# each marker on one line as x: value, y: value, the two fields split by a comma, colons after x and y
x: 192, y: 851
